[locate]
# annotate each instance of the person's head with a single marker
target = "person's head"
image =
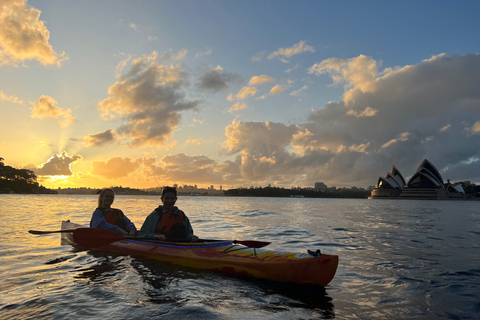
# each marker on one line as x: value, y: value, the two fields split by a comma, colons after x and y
x: 169, y: 197
x: 105, y: 198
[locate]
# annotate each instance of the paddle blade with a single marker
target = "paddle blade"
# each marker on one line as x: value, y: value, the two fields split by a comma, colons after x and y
x: 252, y: 243
x: 93, y: 237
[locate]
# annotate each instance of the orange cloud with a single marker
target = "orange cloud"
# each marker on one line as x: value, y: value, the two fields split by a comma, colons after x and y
x: 23, y: 36
x: 46, y: 107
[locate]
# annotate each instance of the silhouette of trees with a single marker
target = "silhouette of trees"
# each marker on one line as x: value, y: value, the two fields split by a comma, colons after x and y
x: 18, y: 180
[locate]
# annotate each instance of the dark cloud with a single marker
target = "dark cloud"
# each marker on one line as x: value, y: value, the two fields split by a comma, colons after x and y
x: 149, y: 98
x: 217, y: 79
x: 58, y: 165
x: 101, y: 138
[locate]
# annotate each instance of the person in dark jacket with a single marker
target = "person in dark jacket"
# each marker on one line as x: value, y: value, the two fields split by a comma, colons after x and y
x: 167, y: 222
x: 108, y: 218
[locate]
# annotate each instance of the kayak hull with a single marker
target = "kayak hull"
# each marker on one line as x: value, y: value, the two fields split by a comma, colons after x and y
x: 228, y: 258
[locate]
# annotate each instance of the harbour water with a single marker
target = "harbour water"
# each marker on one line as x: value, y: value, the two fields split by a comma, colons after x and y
x: 399, y: 259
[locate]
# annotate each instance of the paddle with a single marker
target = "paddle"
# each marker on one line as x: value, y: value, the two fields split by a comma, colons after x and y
x: 47, y: 232
x: 94, y: 238
x: 252, y: 243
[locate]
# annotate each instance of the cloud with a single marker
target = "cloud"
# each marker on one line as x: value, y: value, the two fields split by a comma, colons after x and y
x: 279, y: 88
x: 46, y: 107
x: 216, y: 79
x: 101, y: 138
x: 11, y: 98
x: 237, y: 106
x: 149, y: 98
x: 368, y: 112
x: 133, y: 26
x: 475, y: 129
x: 23, y: 36
x: 298, y: 48
x: 299, y: 92
x: 445, y: 128
x: 58, y: 165
x: 391, y: 118
x: 245, y: 92
x: 358, y: 73
x: 196, y: 142
x: 404, y: 136
x: 116, y: 167
x: 258, y: 57
x: 206, y: 53
x: 258, y: 80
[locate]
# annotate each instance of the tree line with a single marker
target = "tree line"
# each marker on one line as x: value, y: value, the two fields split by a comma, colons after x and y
x: 19, y: 180
x: 307, y: 193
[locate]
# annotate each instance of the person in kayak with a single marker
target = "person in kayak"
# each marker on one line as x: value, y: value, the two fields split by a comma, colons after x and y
x: 167, y: 221
x: 108, y: 218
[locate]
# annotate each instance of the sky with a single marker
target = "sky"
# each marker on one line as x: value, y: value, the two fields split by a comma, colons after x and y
x: 144, y: 94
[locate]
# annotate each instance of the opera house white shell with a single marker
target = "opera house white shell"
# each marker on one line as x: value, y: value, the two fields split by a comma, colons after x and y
x: 426, y: 183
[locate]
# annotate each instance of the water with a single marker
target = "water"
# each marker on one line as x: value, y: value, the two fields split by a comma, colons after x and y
x: 398, y: 260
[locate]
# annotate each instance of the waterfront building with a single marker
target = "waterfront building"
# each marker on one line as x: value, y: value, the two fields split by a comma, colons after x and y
x: 426, y: 184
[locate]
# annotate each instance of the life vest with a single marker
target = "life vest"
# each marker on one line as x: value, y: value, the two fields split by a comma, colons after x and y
x: 172, y: 225
x: 115, y: 217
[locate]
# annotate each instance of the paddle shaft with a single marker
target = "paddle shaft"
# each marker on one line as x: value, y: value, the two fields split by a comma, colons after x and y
x: 92, y: 237
x: 47, y: 232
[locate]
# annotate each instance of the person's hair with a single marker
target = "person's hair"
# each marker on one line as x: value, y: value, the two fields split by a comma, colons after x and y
x: 169, y: 189
x: 102, y: 194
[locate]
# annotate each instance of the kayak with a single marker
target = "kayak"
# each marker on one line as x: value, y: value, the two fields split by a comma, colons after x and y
x: 223, y: 256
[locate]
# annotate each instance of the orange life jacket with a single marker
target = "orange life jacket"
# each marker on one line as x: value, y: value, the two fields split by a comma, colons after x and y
x: 115, y: 217
x: 172, y: 225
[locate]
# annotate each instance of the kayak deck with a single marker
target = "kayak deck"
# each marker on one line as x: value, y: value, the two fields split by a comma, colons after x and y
x: 226, y: 257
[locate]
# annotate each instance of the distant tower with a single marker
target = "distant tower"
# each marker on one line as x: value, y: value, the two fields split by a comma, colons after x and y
x: 320, y: 186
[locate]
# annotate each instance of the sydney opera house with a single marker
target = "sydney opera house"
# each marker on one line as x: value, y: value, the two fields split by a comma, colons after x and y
x: 426, y: 184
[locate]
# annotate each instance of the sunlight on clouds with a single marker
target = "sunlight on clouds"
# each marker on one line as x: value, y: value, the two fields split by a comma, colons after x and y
x: 258, y: 80
x: 368, y: 112
x: 279, y: 88
x: 58, y: 165
x: 299, y: 92
x: 445, y: 128
x: 475, y: 129
x: 361, y: 148
x: 245, y: 92
x: 23, y: 36
x: 288, y: 52
x: 114, y: 168
x: 358, y: 73
x: 10, y: 98
x: 401, y: 138
x: 149, y: 97
x: 237, y: 106
x: 46, y: 107
x: 196, y: 142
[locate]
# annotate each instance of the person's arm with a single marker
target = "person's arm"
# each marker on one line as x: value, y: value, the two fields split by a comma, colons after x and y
x: 98, y: 221
x: 130, y: 224
x: 189, y: 230
x: 149, y: 225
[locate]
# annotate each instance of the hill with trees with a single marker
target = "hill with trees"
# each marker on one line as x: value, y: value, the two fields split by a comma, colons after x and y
x: 13, y: 180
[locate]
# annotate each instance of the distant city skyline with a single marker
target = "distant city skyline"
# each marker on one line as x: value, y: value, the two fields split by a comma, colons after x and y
x: 238, y: 94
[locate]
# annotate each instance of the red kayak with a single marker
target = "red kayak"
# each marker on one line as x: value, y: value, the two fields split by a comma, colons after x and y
x: 239, y: 258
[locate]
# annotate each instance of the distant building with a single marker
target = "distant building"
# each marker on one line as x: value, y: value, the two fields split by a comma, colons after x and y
x: 320, y: 186
x: 426, y: 184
